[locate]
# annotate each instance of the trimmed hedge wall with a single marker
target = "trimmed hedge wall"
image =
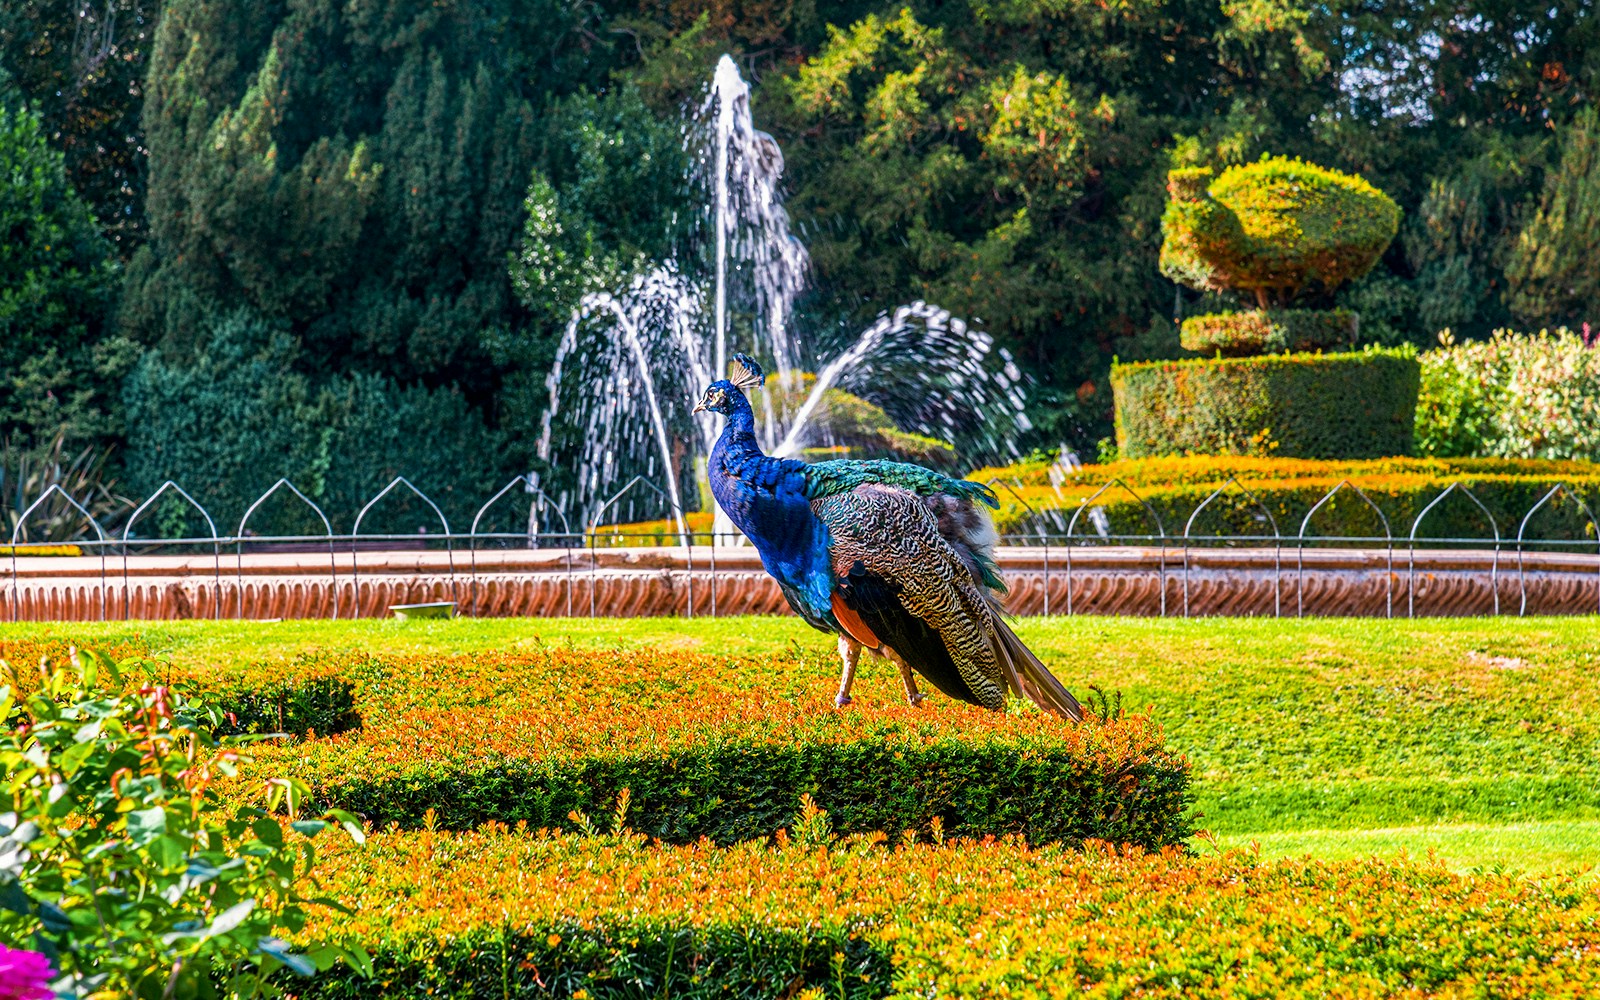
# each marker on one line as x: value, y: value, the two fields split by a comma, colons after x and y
x: 1359, y: 405
x: 496, y: 914
x: 710, y: 746
x: 1271, y: 331
x: 1289, y: 487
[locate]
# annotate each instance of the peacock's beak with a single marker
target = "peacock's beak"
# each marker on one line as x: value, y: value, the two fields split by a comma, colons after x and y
x: 699, y: 407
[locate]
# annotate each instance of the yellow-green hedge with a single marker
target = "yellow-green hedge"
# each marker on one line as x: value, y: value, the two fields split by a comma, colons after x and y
x: 1400, y: 487
x: 1277, y: 226
x: 1269, y: 331
x: 1358, y: 405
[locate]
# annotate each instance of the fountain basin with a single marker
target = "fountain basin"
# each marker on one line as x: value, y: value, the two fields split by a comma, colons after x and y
x: 633, y: 582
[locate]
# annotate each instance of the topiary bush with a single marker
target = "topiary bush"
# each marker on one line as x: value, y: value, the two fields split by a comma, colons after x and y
x: 1358, y: 405
x: 1269, y: 331
x: 1273, y: 230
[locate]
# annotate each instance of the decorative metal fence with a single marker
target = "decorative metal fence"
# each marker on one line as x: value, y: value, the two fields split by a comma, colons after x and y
x: 1055, y: 546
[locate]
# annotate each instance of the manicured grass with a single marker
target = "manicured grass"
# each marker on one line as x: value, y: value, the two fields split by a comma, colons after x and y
x: 1312, y: 725
x: 1560, y: 845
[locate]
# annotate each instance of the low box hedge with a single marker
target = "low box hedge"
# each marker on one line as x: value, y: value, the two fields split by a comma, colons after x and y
x: 1358, y: 405
x: 720, y: 747
x: 497, y: 913
x: 1401, y: 488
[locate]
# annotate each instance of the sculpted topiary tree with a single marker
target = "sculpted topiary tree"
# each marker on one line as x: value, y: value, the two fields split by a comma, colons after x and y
x: 1274, y: 233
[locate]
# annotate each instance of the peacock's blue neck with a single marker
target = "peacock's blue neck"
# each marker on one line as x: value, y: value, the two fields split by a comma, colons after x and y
x: 765, y: 498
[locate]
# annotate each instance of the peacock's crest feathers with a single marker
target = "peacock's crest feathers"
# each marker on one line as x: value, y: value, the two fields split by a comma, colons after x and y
x: 745, y: 373
x: 824, y: 479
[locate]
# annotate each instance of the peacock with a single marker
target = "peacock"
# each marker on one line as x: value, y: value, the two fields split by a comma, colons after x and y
x: 890, y: 557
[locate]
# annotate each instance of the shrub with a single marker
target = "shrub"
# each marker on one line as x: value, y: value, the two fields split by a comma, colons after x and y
x: 1274, y: 331
x: 121, y: 860
x: 1300, y: 405
x: 226, y: 424
x: 858, y: 918
x: 58, y: 367
x: 719, y: 747
x: 1511, y: 396
x: 1273, y: 230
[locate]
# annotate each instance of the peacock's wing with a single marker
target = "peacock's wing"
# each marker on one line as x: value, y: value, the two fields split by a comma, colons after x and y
x: 958, y: 505
x: 912, y: 591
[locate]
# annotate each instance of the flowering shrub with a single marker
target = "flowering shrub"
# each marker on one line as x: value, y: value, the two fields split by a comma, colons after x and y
x: 121, y: 861
x: 25, y: 975
x: 1512, y: 396
x: 719, y: 747
x: 916, y: 917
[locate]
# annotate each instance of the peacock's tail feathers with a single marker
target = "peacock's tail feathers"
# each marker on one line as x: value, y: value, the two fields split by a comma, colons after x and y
x: 1029, y: 677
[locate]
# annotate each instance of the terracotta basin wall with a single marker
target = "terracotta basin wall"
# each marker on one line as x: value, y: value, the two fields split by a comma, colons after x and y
x: 669, y: 581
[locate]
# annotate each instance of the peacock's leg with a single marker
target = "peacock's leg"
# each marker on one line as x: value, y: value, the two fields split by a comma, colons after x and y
x: 913, y: 696
x: 850, y: 652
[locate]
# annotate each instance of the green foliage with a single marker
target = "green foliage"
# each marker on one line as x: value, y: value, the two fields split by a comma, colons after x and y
x: 25, y: 477
x: 231, y: 420
x: 124, y: 862
x: 1274, y: 331
x: 83, y: 67
x: 57, y: 363
x: 1304, y: 405
x: 1274, y: 230
x: 1512, y: 396
x: 1552, y: 267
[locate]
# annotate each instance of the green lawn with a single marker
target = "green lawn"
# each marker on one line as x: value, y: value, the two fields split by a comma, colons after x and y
x: 1478, y: 739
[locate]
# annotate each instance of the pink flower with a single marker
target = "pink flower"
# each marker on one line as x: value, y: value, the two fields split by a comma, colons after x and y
x: 24, y: 975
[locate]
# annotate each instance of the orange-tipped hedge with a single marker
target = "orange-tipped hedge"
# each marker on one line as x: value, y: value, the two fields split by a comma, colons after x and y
x: 719, y: 747
x: 495, y: 913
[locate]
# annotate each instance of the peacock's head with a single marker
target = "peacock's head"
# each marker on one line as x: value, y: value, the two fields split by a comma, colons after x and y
x: 726, y: 394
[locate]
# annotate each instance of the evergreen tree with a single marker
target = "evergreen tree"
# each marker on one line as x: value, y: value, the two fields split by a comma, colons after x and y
x: 1553, y: 273
x: 56, y: 284
x: 81, y: 63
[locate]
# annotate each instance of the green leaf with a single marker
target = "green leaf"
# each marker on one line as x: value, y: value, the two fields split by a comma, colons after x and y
x: 230, y: 918
x: 309, y: 827
x: 144, y: 825
x: 268, y: 832
x: 352, y: 826
x: 167, y: 851
x: 300, y: 965
x: 74, y: 757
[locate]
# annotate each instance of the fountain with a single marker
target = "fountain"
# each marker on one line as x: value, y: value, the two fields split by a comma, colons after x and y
x: 642, y: 354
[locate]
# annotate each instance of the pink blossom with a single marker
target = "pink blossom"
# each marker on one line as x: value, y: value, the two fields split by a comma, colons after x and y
x: 24, y: 975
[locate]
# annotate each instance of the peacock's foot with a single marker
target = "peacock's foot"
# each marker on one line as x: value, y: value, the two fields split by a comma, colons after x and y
x: 841, y: 700
x: 915, y: 698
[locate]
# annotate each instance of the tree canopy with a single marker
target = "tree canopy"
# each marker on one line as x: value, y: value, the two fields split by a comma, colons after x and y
x: 414, y: 192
